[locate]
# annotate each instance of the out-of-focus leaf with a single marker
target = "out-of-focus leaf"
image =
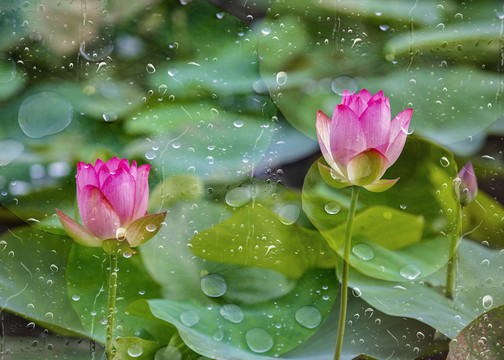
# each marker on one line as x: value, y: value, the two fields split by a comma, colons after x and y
x: 482, y: 339
x: 32, y: 279
x: 256, y: 236
x: 483, y: 219
x: 478, y: 287
x: 272, y: 327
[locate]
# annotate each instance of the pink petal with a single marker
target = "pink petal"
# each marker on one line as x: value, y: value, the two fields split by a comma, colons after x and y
x: 398, y: 133
x: 346, y: 136
x: 323, y: 126
x: 357, y: 105
x: 97, y: 213
x: 77, y: 232
x: 119, y: 189
x: 375, y: 124
x: 103, y: 174
x: 98, y: 164
x: 142, y: 191
x: 113, y: 163
x: 364, y: 95
x: 378, y: 96
x: 86, y: 175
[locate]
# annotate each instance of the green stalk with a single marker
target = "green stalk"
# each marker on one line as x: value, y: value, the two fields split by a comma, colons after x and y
x: 452, y: 260
x: 111, y: 307
x: 346, y: 270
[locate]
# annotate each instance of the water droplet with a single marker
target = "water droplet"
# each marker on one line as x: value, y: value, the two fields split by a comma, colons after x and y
x: 266, y: 30
x: 135, y: 350
x: 150, y: 227
x: 403, y: 206
x: 49, y: 315
x: 213, y: 285
x: 168, y: 353
x: 363, y: 251
x: 281, y: 78
x: 120, y: 233
x: 258, y: 340
x: 189, y: 318
x: 444, y: 162
x: 410, y: 271
x: 332, y: 208
x: 96, y: 49
x: 54, y: 268
x: 238, y: 123
x: 384, y: 27
x: 109, y: 116
x: 308, y: 316
x: 487, y: 301
x: 75, y: 297
x: 10, y: 149
x: 44, y: 113
x: 220, y: 15
x: 420, y: 335
x: 356, y: 292
x: 232, y: 313
x: 176, y: 145
x: 150, y: 69
x: 238, y: 196
x: 289, y: 214
x: 342, y: 83
x: 218, y: 335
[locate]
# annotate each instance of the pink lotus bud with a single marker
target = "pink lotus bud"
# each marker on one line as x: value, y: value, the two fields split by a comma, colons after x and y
x: 466, y: 187
x: 361, y: 141
x: 112, y: 199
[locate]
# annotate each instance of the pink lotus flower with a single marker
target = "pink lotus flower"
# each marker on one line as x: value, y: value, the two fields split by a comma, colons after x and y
x: 467, y: 187
x: 112, y: 199
x: 361, y: 142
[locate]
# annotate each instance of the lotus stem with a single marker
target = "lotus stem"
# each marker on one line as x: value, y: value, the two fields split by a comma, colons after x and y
x: 452, y: 260
x: 345, y: 272
x: 111, y: 306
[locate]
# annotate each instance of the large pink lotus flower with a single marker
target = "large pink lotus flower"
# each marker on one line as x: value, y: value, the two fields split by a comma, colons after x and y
x: 467, y: 186
x: 361, y: 141
x: 112, y: 199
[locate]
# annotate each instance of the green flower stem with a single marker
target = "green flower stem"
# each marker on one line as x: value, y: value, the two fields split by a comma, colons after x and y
x: 452, y: 260
x: 346, y: 270
x: 111, y: 307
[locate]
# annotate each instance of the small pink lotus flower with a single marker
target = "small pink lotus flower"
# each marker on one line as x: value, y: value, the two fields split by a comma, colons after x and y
x: 361, y: 142
x: 466, y: 187
x: 112, y: 199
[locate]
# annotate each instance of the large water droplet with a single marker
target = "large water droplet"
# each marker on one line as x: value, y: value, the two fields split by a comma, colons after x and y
x: 281, y: 78
x: 135, y: 350
x: 356, y: 292
x: 258, y: 340
x: 288, y: 214
x: 213, y: 285
x: 168, y: 353
x: 238, y: 196
x: 44, y: 113
x: 218, y: 335
x: 109, y: 116
x: 189, y: 318
x: 410, y: 271
x: 444, y: 161
x: 332, y: 208
x: 487, y: 301
x: 308, y: 316
x: 363, y: 251
x: 232, y: 313
x: 10, y: 149
x: 342, y: 83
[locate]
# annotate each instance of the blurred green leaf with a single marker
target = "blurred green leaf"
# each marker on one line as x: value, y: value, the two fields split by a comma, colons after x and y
x: 32, y: 279
x: 209, y: 330
x: 478, y: 288
x: 256, y: 236
x: 482, y: 339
